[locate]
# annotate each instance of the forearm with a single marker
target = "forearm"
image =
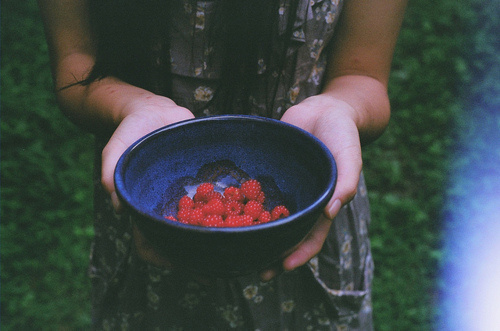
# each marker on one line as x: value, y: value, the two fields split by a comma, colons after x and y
x: 99, y: 106
x: 368, y: 100
x: 360, y: 59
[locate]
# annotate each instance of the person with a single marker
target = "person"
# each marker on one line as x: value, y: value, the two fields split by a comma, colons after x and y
x: 123, y: 68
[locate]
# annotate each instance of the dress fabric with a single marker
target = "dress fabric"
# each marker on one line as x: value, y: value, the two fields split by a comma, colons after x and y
x: 331, y: 292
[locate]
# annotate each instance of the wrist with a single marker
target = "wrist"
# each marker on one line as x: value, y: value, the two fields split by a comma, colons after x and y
x: 367, y: 100
x: 107, y: 102
x: 113, y: 100
x: 332, y: 104
x: 98, y: 106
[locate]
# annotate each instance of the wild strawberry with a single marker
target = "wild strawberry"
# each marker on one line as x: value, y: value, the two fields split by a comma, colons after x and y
x: 251, y: 189
x: 264, y: 217
x: 230, y: 221
x: 233, y: 193
x: 197, y: 216
x: 184, y: 216
x: 261, y: 198
x: 186, y: 203
x: 253, y: 208
x: 214, y: 207
x: 202, y: 191
x: 238, y: 220
x: 233, y: 207
x: 205, y: 188
x: 214, y: 195
x: 197, y: 198
x: 198, y: 204
x: 236, y: 207
x: 213, y: 221
x: 246, y: 220
x: 279, y: 212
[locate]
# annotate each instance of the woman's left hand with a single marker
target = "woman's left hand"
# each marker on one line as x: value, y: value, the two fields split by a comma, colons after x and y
x: 334, y: 123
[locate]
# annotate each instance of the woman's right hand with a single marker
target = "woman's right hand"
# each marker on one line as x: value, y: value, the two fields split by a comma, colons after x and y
x: 138, y: 118
x: 105, y: 105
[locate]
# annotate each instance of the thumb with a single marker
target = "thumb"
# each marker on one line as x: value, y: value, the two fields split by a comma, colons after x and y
x: 110, y: 156
x: 349, y: 165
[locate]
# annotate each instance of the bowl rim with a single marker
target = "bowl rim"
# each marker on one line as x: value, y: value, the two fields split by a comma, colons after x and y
x: 325, y: 195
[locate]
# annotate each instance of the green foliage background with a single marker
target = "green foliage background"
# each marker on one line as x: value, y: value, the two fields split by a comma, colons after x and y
x: 444, y: 50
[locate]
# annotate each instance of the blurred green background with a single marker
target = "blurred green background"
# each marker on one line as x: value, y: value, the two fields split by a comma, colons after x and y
x: 445, y: 77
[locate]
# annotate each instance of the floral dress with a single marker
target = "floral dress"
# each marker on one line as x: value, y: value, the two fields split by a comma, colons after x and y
x: 331, y: 292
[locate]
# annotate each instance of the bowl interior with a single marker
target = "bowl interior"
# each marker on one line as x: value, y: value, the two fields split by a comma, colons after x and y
x: 297, y: 163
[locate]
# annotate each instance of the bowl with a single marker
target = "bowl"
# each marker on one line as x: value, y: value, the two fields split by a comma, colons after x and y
x: 294, y: 167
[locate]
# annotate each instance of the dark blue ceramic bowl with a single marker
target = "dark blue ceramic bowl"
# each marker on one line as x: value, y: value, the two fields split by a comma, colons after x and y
x: 294, y: 167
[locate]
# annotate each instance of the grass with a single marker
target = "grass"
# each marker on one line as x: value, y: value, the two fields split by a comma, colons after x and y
x: 46, y: 168
x: 46, y: 188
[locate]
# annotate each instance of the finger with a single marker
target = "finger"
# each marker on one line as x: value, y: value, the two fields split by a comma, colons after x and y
x: 332, y: 208
x: 310, y: 246
x: 110, y: 155
x: 146, y: 251
x: 270, y: 273
x: 345, y: 146
x: 276, y: 268
x: 115, y: 201
x: 349, y: 165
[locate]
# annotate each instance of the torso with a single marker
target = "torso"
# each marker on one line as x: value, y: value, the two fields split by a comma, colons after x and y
x: 331, y: 292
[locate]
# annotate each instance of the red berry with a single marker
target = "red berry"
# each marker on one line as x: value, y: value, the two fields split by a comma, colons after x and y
x: 251, y: 189
x: 184, y: 215
x: 261, y: 198
x: 233, y: 193
x: 231, y: 221
x: 170, y: 217
x: 186, y: 203
x: 238, y: 220
x: 264, y: 217
x: 246, y: 220
x: 202, y: 191
x: 199, y: 204
x: 253, y: 209
x: 214, y: 195
x: 199, y: 198
x: 197, y: 216
x: 214, y: 207
x: 213, y: 221
x: 205, y: 188
x: 233, y: 207
x: 279, y: 212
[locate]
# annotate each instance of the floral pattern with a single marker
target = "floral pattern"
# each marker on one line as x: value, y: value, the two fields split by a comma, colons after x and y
x: 331, y: 292
x: 203, y: 93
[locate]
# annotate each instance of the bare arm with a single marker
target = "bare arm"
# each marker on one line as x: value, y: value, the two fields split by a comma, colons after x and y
x: 360, y: 62
x: 105, y: 106
x: 353, y: 107
x: 100, y: 106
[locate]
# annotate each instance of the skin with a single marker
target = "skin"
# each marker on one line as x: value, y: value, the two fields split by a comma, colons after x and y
x: 352, y: 110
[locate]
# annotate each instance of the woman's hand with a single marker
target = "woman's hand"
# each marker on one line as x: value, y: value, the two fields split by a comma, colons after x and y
x: 140, y: 117
x: 334, y: 123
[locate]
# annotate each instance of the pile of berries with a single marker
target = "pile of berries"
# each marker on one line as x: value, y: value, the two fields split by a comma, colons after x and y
x: 235, y: 207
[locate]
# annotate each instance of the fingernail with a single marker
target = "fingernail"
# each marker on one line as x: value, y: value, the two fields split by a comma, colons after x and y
x: 334, y: 208
x: 267, y: 275
x: 116, y: 202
